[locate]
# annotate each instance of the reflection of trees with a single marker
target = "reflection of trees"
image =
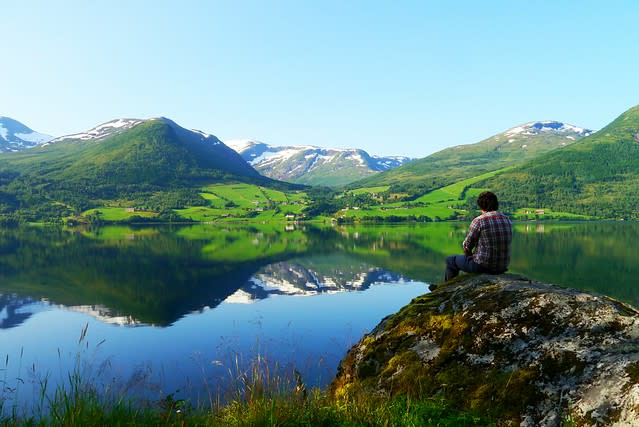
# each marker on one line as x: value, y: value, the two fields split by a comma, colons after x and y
x: 158, y: 275
x: 595, y: 256
x: 155, y: 279
x: 416, y: 251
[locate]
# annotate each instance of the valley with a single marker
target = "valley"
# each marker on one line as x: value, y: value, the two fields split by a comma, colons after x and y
x: 140, y: 171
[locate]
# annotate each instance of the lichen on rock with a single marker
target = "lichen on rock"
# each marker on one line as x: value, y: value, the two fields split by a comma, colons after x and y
x: 520, y: 351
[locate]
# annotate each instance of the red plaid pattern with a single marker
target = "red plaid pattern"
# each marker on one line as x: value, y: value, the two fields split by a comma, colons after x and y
x: 490, y: 235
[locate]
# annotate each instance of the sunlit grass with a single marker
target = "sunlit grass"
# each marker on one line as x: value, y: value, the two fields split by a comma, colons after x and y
x: 369, y: 190
x: 244, y: 202
x: 118, y: 214
x: 257, y: 392
x: 547, y: 214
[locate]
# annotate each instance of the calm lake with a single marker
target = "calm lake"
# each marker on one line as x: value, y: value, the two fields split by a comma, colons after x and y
x: 186, y: 310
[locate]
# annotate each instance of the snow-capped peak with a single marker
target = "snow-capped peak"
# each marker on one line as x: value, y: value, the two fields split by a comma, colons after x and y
x: 311, y: 164
x: 534, y: 128
x: 15, y: 136
x: 240, y: 145
x: 204, y: 134
x: 103, y: 130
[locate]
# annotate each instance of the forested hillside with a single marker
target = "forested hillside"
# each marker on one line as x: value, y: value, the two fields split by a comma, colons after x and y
x: 154, y: 162
x: 454, y: 164
x: 597, y: 176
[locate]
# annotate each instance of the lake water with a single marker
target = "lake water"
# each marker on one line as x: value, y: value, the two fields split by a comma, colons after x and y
x: 186, y: 310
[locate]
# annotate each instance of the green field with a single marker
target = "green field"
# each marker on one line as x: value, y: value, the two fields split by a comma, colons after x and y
x: 545, y: 213
x: 114, y: 214
x: 454, y: 191
x: 256, y: 204
x: 232, y: 202
x: 369, y: 190
x: 222, y: 202
x: 444, y: 203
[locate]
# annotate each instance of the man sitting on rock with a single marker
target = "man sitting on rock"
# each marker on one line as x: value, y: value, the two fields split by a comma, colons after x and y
x: 489, y: 235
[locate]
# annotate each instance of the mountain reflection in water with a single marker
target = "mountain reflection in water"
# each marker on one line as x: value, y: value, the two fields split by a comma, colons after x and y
x: 305, y: 277
x: 155, y: 276
x: 15, y: 309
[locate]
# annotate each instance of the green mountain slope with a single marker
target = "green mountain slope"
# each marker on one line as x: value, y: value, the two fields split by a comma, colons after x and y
x: 465, y: 161
x: 128, y: 160
x: 597, y: 176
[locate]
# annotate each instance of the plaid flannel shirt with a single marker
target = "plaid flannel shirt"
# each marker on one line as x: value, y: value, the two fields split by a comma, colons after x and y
x: 490, y: 235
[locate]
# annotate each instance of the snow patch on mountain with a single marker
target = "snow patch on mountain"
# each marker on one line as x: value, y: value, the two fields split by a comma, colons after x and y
x: 534, y: 128
x: 276, y: 156
x: 204, y: 134
x: 34, y: 137
x: 15, y: 136
x: 102, y: 131
x: 306, y: 163
x: 240, y: 145
x: 117, y: 126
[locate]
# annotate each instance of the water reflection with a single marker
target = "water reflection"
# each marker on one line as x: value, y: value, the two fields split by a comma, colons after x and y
x: 323, y: 274
x: 594, y: 256
x: 156, y: 276
x: 14, y: 309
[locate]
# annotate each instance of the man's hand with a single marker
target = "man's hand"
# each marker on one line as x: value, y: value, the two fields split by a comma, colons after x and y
x: 468, y: 252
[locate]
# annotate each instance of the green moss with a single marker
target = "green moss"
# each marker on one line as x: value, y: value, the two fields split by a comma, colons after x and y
x: 504, y: 395
x: 405, y: 374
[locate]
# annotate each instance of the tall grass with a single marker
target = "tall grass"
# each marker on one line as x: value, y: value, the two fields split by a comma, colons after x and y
x: 257, y: 392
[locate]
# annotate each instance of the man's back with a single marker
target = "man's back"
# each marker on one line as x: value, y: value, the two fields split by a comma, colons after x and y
x: 487, y: 245
x: 491, y: 235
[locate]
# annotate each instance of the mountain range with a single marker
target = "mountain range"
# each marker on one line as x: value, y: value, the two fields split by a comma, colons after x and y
x: 296, y: 164
x: 159, y: 165
x: 508, y: 148
x: 15, y: 136
x: 313, y: 165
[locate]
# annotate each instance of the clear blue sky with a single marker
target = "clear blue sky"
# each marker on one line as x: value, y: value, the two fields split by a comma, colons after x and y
x: 392, y: 77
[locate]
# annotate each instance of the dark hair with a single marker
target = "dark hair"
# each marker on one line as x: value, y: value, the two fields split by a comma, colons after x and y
x: 487, y: 201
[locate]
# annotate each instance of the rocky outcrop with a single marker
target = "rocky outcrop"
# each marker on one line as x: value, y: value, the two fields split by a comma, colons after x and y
x: 516, y: 350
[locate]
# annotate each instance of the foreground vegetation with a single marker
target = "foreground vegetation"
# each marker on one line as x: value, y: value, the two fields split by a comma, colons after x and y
x: 259, y: 393
x: 256, y: 398
x: 267, y: 410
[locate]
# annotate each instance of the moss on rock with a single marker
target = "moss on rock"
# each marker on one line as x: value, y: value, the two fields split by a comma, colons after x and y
x: 517, y: 350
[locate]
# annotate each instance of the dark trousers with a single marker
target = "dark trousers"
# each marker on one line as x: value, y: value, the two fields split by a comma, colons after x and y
x: 457, y: 263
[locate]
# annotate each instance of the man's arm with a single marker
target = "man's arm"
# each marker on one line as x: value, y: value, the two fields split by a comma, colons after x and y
x: 471, y: 238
